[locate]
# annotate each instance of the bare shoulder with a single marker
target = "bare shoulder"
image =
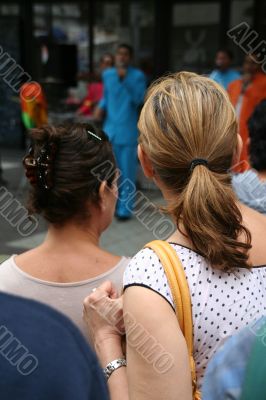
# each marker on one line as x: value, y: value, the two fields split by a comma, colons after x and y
x: 253, y: 220
x: 31, y: 259
x: 256, y: 223
x: 29, y: 255
x: 109, y: 261
x: 67, y: 266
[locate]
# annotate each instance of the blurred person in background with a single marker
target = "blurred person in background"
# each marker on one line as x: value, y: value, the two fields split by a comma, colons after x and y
x: 238, y: 370
x: 44, y: 356
x: 78, y: 206
x: 124, y: 89
x: 223, y: 73
x: 95, y: 87
x: 33, y: 105
x: 106, y: 61
x: 33, y: 110
x: 250, y: 186
x: 245, y: 94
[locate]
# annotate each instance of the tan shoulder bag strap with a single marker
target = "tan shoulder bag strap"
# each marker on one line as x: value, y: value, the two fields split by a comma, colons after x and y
x: 181, y: 295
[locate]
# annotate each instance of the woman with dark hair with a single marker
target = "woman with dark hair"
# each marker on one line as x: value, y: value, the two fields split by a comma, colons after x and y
x: 76, y: 195
x: 188, y: 142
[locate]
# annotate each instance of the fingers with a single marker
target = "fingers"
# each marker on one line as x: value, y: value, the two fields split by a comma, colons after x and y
x: 94, y: 298
x: 105, y: 290
x: 101, y: 302
x: 109, y: 289
x: 108, y: 309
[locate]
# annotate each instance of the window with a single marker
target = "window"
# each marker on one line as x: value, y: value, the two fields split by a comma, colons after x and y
x: 129, y: 22
x: 65, y: 23
x: 241, y: 11
x: 194, y: 36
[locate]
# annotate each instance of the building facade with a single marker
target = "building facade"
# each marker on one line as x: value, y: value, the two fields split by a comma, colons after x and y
x: 54, y: 42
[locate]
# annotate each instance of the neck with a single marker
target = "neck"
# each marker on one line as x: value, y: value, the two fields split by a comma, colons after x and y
x: 72, y: 236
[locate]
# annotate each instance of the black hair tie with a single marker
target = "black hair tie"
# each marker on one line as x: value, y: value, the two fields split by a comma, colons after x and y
x: 197, y: 161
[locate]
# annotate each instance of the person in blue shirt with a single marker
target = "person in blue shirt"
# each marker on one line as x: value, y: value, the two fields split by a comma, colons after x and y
x: 124, y: 90
x: 236, y: 368
x: 224, y: 74
x: 44, y: 356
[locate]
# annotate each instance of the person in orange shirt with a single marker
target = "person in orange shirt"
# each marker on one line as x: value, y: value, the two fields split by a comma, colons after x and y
x: 33, y: 105
x: 245, y: 94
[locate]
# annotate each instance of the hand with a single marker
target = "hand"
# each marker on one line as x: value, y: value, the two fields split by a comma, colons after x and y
x: 98, y: 114
x: 103, y: 314
x: 121, y: 71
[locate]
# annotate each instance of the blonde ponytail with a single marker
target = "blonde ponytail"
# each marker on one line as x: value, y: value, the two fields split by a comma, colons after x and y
x: 208, y: 213
x: 186, y: 117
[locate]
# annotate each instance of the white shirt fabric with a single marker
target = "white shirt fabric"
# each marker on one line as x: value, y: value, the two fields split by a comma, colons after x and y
x: 222, y: 302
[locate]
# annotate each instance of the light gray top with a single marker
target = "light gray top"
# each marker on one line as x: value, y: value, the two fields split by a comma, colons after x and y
x: 65, y: 297
x: 250, y: 190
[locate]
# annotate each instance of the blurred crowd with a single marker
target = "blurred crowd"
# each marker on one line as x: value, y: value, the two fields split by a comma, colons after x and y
x: 114, y: 96
x: 192, y: 308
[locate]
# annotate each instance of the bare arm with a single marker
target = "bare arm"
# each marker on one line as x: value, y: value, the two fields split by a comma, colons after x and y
x: 98, y: 114
x: 107, y: 351
x: 157, y: 357
x: 159, y: 367
x: 103, y: 314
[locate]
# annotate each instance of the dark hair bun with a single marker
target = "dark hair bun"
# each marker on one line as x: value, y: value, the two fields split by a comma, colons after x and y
x: 59, y: 167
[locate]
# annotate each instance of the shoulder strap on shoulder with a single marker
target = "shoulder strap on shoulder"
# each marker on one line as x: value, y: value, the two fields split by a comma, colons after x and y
x: 180, y: 291
x: 161, y: 249
x: 178, y: 283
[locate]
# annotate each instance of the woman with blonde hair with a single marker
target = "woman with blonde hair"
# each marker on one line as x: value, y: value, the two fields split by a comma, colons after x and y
x: 188, y: 143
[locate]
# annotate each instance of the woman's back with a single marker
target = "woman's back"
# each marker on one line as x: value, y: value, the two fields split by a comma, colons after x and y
x: 65, y: 297
x: 78, y: 206
x: 222, y: 302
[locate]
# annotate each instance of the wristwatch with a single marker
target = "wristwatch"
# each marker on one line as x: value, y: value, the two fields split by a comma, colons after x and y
x: 113, y: 365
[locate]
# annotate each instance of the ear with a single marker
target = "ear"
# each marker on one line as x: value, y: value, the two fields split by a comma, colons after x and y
x: 238, y: 150
x: 102, y: 194
x: 145, y: 163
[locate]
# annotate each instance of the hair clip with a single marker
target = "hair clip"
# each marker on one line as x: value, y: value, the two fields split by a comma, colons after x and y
x: 45, y: 165
x: 39, y: 170
x: 93, y: 134
x: 30, y: 165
